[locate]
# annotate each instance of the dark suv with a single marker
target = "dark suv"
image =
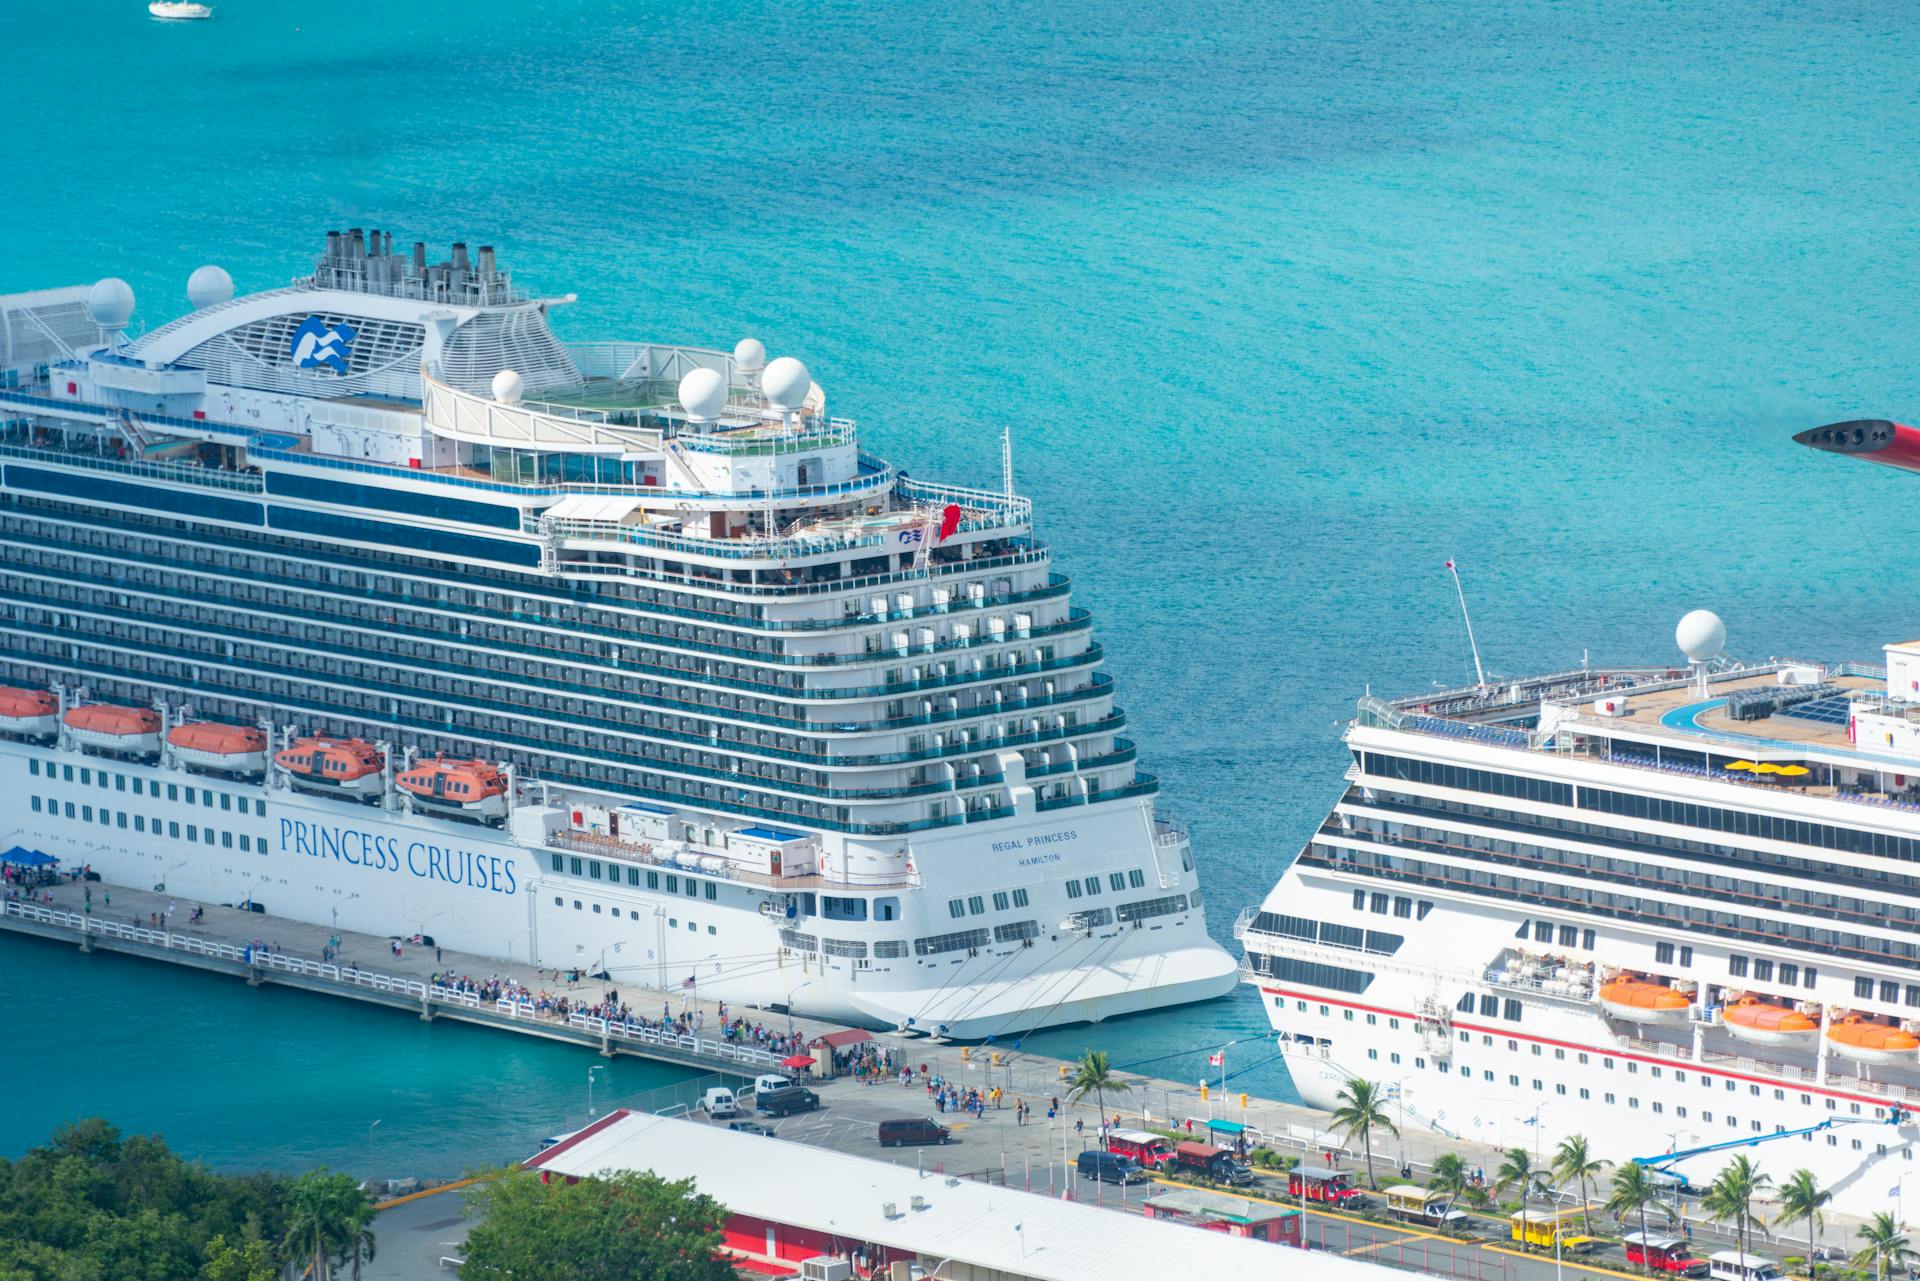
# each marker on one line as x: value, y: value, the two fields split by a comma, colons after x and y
x: 786, y: 1102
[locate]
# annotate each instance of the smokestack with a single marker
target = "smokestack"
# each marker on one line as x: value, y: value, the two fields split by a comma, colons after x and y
x: 386, y: 244
x: 486, y: 260
x: 333, y: 247
x: 419, y: 257
x: 1873, y: 440
x: 460, y: 260
x: 356, y: 244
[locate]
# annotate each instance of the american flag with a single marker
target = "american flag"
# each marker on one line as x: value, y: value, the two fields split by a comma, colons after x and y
x: 687, y: 981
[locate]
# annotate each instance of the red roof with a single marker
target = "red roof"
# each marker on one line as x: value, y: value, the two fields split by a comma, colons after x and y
x: 835, y: 1040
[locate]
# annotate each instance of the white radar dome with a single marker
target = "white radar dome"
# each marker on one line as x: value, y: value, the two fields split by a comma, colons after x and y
x: 785, y: 384
x: 703, y: 394
x: 750, y: 354
x: 110, y: 303
x: 1701, y: 635
x: 209, y: 285
x: 508, y: 387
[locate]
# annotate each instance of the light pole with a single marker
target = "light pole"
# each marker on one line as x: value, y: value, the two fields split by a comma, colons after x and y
x: 515, y: 939
x: 790, y: 995
x: 598, y: 1067
x: 161, y: 888
x: 370, y: 1130
x: 335, y: 909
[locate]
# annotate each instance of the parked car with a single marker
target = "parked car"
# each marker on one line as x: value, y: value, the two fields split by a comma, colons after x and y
x: 786, y: 1102
x: 750, y: 1127
x: 1149, y: 1149
x: 919, y: 1129
x: 1110, y: 1167
x: 719, y: 1103
x: 1210, y: 1162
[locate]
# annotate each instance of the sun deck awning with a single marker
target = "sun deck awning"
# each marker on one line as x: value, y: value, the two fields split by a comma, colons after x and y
x: 600, y: 507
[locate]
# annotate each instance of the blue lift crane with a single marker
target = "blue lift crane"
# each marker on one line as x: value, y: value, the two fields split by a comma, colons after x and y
x: 1895, y: 1116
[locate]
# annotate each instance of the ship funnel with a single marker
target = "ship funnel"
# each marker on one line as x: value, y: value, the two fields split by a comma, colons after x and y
x: 419, y: 257
x: 356, y: 243
x: 486, y: 260
x: 460, y: 260
x: 333, y: 246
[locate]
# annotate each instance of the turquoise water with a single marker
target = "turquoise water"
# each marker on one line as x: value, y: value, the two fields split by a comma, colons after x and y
x: 267, y: 1078
x: 1284, y: 304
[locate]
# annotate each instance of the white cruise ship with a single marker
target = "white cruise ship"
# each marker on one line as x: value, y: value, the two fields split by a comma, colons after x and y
x: 368, y: 601
x: 1676, y: 911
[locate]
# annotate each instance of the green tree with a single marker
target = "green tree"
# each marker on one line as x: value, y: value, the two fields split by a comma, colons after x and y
x: 1801, y: 1201
x: 247, y: 1261
x: 1094, y: 1075
x: 1517, y: 1170
x: 1361, y: 1111
x: 1886, y: 1245
x: 1450, y: 1176
x: 630, y: 1226
x: 1573, y: 1163
x: 328, y: 1217
x: 1633, y: 1192
x: 1730, y: 1199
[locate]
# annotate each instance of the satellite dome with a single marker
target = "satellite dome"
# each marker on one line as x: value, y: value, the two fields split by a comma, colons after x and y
x: 110, y: 303
x: 508, y: 387
x: 703, y: 394
x: 209, y: 285
x: 751, y: 355
x: 1701, y: 635
x: 786, y: 383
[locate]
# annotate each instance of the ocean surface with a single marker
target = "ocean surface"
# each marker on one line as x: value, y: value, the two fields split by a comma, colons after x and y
x: 1284, y: 305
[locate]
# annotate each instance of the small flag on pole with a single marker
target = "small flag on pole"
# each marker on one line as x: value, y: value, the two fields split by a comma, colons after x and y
x: 687, y: 981
x: 1217, y: 1059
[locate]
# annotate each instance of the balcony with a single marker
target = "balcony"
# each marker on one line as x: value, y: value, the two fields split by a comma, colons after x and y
x: 715, y: 864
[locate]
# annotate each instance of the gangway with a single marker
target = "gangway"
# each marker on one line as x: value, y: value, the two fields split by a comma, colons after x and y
x: 1895, y: 1116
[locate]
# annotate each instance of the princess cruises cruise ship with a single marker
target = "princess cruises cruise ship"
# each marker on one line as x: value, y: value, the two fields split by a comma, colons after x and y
x: 1674, y: 910
x: 367, y: 600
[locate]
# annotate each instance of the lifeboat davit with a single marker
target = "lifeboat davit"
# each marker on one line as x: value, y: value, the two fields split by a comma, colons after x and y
x: 115, y: 730
x: 334, y: 766
x: 466, y: 789
x: 239, y: 750
x: 29, y: 713
x: 1768, y: 1023
x: 1869, y: 1040
x: 1633, y: 1000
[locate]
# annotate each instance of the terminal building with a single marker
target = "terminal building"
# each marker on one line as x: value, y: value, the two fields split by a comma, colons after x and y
x: 895, y: 1222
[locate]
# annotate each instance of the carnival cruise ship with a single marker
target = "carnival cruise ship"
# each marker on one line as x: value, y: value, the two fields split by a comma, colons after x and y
x: 1675, y: 910
x: 367, y: 600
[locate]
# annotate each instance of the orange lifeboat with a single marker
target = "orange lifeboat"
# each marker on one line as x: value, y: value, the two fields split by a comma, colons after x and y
x: 335, y: 766
x: 1768, y: 1022
x: 467, y: 789
x: 28, y: 713
x: 1637, y: 1000
x: 1866, y: 1039
x: 115, y: 730
x: 220, y: 749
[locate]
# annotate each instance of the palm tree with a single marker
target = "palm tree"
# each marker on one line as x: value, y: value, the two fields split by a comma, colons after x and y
x: 1362, y: 1110
x: 1517, y: 1170
x: 1730, y: 1199
x: 1450, y: 1177
x: 1573, y: 1163
x: 1885, y: 1245
x: 1801, y: 1200
x: 328, y: 1215
x: 360, y: 1241
x: 1633, y: 1191
x: 1094, y: 1075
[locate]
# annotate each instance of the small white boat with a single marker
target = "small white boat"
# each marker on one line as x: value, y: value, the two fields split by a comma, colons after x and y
x: 179, y: 10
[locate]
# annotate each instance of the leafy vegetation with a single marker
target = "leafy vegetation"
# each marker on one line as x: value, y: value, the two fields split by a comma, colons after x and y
x: 1883, y: 1245
x: 1801, y: 1201
x: 1574, y: 1163
x: 1362, y: 1110
x: 1634, y: 1192
x: 94, y: 1204
x: 1094, y: 1075
x: 614, y: 1229
x: 1730, y: 1199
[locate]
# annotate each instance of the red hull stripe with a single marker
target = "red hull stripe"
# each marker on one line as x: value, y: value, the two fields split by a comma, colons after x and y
x: 1678, y: 1065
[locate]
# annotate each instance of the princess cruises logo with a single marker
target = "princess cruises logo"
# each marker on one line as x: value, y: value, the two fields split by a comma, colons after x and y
x: 316, y: 343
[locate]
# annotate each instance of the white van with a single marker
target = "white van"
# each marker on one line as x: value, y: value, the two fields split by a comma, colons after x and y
x: 1731, y: 1265
x: 770, y: 1083
x: 720, y: 1104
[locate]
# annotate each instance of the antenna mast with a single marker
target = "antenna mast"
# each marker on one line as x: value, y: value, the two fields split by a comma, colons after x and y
x: 1006, y: 461
x: 1479, y: 673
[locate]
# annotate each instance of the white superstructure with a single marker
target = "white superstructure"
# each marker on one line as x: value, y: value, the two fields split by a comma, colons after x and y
x: 619, y: 655
x: 1673, y: 911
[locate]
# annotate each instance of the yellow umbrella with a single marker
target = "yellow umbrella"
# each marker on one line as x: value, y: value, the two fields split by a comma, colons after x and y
x: 1766, y: 767
x: 1738, y: 765
x: 1794, y: 771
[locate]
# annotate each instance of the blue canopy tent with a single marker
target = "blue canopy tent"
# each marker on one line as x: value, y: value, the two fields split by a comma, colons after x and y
x: 20, y: 856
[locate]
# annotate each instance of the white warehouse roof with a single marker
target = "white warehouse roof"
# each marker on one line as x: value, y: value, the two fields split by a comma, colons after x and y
x: 1020, y: 1234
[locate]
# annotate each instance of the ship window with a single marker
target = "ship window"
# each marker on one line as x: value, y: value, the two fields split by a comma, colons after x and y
x: 1808, y: 975
x: 1019, y: 898
x: 226, y: 801
x: 226, y: 838
x: 1512, y: 1011
x: 1663, y: 953
x: 593, y: 868
x: 673, y: 884
x: 1686, y: 956
x: 1762, y: 970
x: 1073, y: 891
x: 653, y: 880
x: 33, y: 766
x: 559, y: 863
x: 957, y: 908
x: 596, y: 909
x: 173, y: 829
x: 1379, y: 904
x: 1737, y: 966
x: 1889, y: 991
x: 1863, y: 988
x: 558, y: 901
x: 1093, y: 885
x: 1464, y: 1004
x: 576, y: 905
x: 119, y: 782
x: 1117, y: 881
x: 1359, y: 900
x: 693, y: 888
x: 1425, y: 907
x: 1543, y: 931
x: 1789, y: 974
x: 1586, y: 939
x: 1489, y: 1006
x: 711, y: 891
x: 86, y: 777
x: 1136, y: 878
x: 1402, y: 906
x: 999, y: 900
